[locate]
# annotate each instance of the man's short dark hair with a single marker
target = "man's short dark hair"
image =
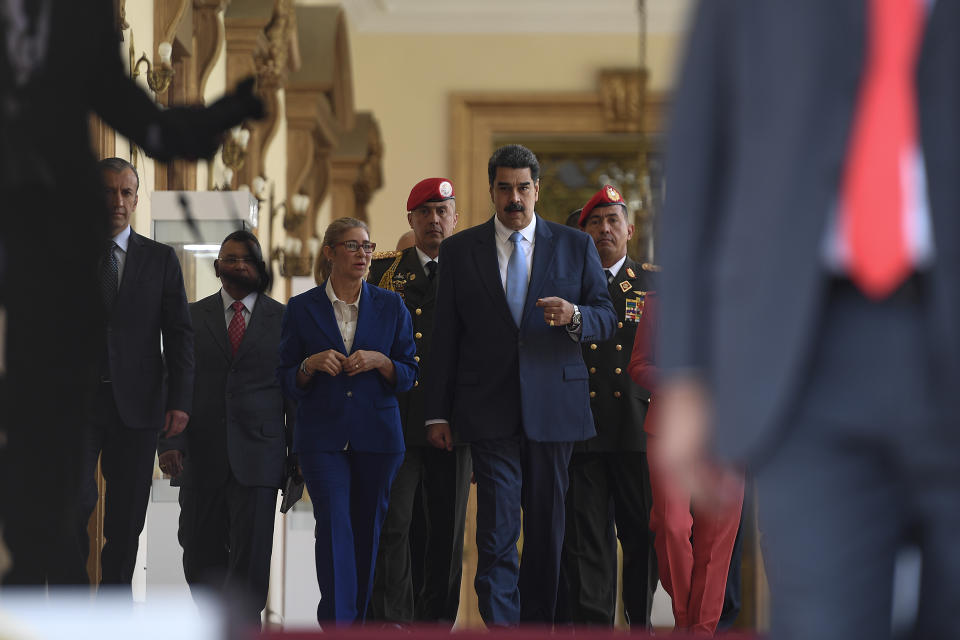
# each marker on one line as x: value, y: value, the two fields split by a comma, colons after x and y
x: 513, y: 156
x: 253, y: 246
x: 118, y: 165
x: 573, y: 219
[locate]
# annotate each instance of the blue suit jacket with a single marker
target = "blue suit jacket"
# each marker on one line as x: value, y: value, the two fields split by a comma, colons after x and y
x: 361, y: 409
x: 487, y: 376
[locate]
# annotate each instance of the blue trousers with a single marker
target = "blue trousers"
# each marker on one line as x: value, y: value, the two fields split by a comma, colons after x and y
x: 350, y: 491
x: 514, y: 473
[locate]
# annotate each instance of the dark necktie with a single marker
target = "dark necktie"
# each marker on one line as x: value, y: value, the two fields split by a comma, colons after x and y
x: 237, y: 326
x: 873, y: 193
x: 609, y: 275
x: 431, y: 270
x: 110, y: 276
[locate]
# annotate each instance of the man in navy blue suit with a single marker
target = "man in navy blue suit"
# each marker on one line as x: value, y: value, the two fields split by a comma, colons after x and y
x: 516, y: 297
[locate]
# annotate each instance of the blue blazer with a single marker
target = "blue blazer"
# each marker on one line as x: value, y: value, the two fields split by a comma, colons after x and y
x: 362, y: 409
x: 487, y: 376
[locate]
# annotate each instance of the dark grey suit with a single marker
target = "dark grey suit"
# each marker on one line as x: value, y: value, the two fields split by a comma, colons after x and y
x: 235, y: 447
x: 844, y: 405
x: 138, y: 385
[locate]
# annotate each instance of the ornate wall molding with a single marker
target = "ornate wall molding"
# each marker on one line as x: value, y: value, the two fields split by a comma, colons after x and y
x: 478, y: 118
x: 356, y: 166
x: 311, y: 137
x: 261, y: 41
x: 209, y: 36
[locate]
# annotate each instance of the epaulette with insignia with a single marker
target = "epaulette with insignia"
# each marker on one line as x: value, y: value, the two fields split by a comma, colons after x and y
x: 649, y: 266
x: 380, y: 255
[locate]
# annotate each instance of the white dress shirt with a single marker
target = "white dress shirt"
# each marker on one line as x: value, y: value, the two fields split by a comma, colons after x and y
x: 505, y: 247
x: 614, y: 269
x: 122, y: 240
x: 346, y: 314
x: 424, y: 259
x: 248, y: 302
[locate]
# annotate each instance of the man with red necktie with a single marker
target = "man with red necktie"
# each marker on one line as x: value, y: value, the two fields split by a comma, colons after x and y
x: 811, y: 295
x: 230, y: 460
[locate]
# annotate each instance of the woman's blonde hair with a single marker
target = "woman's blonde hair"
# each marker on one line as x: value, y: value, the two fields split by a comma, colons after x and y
x: 331, y: 237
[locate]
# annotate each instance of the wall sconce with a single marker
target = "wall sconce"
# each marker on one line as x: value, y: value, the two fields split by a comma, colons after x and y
x: 292, y: 262
x: 296, y: 213
x: 159, y: 77
x: 234, y: 151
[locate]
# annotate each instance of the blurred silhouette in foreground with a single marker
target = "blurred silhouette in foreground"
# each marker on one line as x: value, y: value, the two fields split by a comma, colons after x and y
x: 811, y: 295
x: 60, y: 61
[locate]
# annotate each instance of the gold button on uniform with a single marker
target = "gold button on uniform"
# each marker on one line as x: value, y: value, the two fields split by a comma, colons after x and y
x: 416, y: 358
x: 416, y: 383
x: 419, y: 335
x: 619, y: 347
x: 618, y: 371
x: 349, y: 394
x: 593, y: 346
x: 593, y: 394
x: 418, y: 311
x: 593, y: 369
x: 616, y: 394
x: 619, y: 325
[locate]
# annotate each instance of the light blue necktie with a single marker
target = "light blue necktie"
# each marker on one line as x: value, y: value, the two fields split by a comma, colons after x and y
x: 516, y: 278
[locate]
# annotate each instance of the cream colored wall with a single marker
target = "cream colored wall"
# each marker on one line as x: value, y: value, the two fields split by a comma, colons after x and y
x: 406, y: 81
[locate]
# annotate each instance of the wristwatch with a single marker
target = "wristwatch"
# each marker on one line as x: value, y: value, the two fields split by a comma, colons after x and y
x: 576, y: 320
x: 303, y: 368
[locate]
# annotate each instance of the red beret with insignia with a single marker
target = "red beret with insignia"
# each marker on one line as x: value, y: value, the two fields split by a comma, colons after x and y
x: 430, y: 190
x: 606, y: 195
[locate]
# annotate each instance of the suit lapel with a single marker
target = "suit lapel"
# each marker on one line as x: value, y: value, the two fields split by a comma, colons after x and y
x: 132, y: 264
x: 370, y: 310
x: 214, y: 317
x: 488, y: 266
x: 258, y: 324
x: 542, y: 259
x: 322, y: 312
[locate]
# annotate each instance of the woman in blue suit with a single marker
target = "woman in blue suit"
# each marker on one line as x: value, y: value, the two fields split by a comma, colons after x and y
x: 346, y: 349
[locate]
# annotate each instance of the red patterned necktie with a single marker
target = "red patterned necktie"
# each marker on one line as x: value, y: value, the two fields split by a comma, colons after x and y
x: 237, y: 326
x: 874, y: 199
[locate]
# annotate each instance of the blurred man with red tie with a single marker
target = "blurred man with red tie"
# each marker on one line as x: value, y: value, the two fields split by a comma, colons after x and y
x: 811, y: 295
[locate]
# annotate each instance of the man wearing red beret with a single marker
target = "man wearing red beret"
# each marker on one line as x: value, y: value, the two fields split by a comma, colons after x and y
x: 612, y: 466
x: 429, y: 530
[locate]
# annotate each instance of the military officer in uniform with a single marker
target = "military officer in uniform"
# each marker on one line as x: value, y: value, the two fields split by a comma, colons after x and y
x: 442, y: 478
x: 613, y: 465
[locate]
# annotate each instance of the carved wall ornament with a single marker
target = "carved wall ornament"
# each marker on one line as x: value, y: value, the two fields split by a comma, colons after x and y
x: 622, y: 93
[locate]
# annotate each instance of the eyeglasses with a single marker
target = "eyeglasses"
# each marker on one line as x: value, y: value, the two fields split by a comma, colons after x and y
x: 353, y: 245
x: 236, y: 260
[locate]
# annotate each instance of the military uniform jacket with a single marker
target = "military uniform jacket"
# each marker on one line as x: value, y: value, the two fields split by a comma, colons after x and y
x: 619, y: 404
x: 402, y: 272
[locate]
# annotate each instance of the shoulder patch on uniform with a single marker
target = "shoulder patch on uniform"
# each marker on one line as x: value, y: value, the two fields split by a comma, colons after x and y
x: 380, y: 255
x: 649, y: 266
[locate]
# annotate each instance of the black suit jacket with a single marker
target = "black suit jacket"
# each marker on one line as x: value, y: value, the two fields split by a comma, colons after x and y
x: 619, y: 404
x: 419, y: 294
x: 241, y: 422
x: 760, y: 127
x: 150, y: 304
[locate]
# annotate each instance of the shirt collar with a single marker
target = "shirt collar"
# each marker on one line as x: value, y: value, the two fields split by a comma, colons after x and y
x: 424, y: 258
x: 615, y: 269
x: 334, y: 299
x: 123, y: 238
x: 248, y: 301
x: 504, y: 232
